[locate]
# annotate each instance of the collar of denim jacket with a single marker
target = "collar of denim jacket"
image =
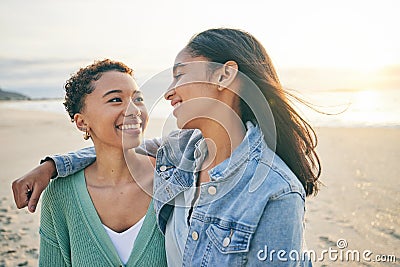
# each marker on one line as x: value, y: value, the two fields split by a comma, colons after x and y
x: 252, y: 142
x: 178, y: 149
x: 200, y: 153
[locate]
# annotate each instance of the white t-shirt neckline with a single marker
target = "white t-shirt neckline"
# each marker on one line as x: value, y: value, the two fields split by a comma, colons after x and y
x: 123, y: 242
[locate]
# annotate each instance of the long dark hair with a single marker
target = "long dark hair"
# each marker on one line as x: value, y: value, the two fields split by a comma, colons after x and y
x: 295, y: 138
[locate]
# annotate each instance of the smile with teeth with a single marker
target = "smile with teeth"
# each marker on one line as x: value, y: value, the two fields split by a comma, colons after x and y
x: 128, y: 126
x: 177, y: 104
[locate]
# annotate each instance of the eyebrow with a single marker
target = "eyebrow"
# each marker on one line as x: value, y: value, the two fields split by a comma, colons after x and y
x: 177, y: 65
x: 112, y: 92
x: 120, y: 91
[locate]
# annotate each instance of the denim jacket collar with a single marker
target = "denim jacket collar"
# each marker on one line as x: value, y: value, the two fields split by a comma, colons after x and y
x: 252, y: 142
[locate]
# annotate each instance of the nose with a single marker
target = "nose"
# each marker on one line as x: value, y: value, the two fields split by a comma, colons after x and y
x: 132, y: 110
x: 170, y: 92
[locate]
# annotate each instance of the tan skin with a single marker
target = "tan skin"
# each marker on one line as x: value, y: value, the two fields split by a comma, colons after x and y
x: 116, y: 103
x: 113, y: 106
x: 217, y: 112
x: 118, y: 191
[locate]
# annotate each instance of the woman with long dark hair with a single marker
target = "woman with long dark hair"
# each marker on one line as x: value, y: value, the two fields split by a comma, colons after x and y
x: 239, y: 187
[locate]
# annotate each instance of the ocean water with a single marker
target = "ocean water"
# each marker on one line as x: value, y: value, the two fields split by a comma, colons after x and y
x: 363, y: 107
x: 353, y: 108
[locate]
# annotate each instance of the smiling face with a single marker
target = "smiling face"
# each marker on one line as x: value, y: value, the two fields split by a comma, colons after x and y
x: 114, y: 110
x: 193, y: 92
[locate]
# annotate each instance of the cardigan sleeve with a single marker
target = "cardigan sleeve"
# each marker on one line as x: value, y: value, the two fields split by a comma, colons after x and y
x: 50, y: 253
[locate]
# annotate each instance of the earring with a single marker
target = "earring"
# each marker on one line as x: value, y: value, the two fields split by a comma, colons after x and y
x: 139, y: 114
x: 86, y: 135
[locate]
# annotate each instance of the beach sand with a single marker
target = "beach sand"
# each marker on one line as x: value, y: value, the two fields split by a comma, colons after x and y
x: 360, y: 201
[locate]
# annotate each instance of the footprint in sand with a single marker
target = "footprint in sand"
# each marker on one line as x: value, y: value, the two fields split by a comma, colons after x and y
x: 390, y: 232
x: 33, y: 252
x: 5, y: 220
x: 329, y: 242
x: 7, y: 235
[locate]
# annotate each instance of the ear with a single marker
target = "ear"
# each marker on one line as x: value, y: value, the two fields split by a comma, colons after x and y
x: 80, y: 123
x: 227, y: 74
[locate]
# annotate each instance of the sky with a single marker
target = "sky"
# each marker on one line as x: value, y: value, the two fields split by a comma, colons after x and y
x: 336, y: 44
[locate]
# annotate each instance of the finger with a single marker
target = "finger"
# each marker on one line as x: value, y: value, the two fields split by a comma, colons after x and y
x: 20, y: 196
x: 34, y: 199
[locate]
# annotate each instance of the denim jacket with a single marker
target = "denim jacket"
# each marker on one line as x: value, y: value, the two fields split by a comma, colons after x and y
x: 250, y: 213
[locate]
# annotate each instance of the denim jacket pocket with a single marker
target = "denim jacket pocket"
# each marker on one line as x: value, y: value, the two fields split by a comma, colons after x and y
x: 229, y: 240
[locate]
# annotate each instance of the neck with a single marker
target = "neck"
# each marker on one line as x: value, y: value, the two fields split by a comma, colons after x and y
x: 111, y: 166
x: 222, y: 140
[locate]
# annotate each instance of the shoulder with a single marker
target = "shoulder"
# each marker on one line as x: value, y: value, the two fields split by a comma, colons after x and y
x: 277, y: 177
x: 61, y: 188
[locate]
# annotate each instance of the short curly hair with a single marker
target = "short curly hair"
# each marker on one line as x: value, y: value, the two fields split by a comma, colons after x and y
x: 80, y: 84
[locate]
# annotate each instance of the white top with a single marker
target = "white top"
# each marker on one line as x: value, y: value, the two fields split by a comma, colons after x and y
x: 123, y: 242
x: 177, y: 229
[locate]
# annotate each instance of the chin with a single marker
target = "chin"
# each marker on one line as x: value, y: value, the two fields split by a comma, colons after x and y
x: 129, y: 143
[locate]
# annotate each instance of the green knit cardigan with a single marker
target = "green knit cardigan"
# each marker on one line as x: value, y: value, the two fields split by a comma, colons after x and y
x: 71, y: 233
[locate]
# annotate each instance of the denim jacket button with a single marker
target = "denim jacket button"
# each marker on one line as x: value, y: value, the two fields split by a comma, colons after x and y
x: 212, y: 190
x: 226, y: 242
x: 163, y: 168
x: 195, y: 235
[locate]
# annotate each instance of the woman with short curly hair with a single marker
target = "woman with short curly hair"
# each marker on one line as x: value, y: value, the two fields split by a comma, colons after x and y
x: 101, y: 216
